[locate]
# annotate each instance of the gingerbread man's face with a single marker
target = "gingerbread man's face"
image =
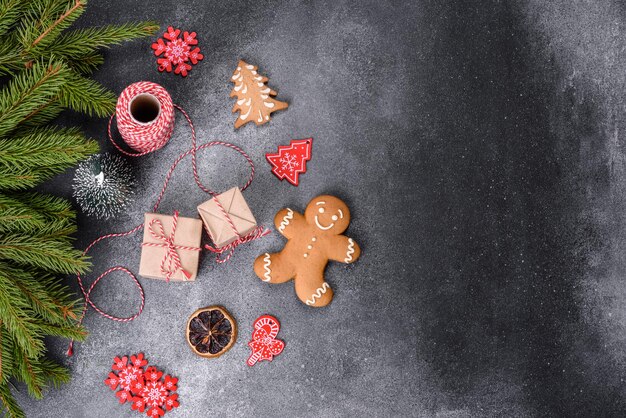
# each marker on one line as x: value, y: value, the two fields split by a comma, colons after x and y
x: 328, y: 214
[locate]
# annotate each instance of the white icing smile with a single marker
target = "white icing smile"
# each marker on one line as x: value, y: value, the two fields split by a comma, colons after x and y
x: 334, y: 217
x: 323, y: 228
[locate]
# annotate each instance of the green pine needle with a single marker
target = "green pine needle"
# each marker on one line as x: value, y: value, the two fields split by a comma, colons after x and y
x: 80, y: 41
x: 10, y: 11
x: 11, y: 408
x: 48, y: 149
x: 29, y: 90
x: 85, y: 64
x: 87, y: 96
x: 55, y: 255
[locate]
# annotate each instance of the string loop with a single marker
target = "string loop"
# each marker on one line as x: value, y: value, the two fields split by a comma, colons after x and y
x: 146, y: 140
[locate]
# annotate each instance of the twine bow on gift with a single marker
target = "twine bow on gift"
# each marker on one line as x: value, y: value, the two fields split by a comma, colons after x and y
x: 171, y: 260
x: 256, y: 233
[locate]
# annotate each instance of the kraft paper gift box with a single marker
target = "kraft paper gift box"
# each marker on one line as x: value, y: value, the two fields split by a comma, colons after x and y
x: 217, y: 225
x: 188, y: 234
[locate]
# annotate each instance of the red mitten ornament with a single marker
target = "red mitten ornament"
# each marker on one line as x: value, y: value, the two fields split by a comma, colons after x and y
x: 290, y: 161
x: 264, y: 344
x: 177, y: 52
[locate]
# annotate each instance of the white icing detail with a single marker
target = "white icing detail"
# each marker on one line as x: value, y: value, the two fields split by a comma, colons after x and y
x: 245, y: 115
x: 268, y: 104
x: 245, y: 89
x: 260, y: 84
x: 267, y: 117
x: 240, y: 102
x: 265, y: 91
x: 264, y: 96
x: 318, y: 294
x: 309, y: 247
x: 306, y: 255
x: 258, y: 78
x: 266, y: 266
x: 235, y: 76
x: 249, y: 67
x: 260, y: 119
x: 238, y: 68
x: 334, y: 217
x: 350, y: 251
x: 249, y: 101
x: 253, y: 72
x: 320, y: 203
x: 313, y: 239
x: 321, y: 210
x: 285, y: 220
x: 340, y: 213
x: 237, y: 88
x: 323, y: 228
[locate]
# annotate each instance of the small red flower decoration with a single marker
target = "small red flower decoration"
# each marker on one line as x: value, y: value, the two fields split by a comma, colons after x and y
x: 144, y: 387
x: 176, y: 52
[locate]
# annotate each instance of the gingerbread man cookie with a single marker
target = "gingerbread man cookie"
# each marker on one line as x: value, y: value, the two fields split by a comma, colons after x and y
x: 312, y: 240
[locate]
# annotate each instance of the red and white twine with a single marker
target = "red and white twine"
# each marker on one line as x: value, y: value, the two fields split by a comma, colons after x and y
x: 145, y: 139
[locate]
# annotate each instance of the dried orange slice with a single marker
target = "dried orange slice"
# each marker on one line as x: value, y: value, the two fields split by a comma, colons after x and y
x: 211, y: 331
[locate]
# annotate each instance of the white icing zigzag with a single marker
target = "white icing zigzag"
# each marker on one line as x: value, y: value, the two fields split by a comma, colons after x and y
x: 318, y: 294
x: 285, y: 220
x: 266, y: 266
x: 350, y: 251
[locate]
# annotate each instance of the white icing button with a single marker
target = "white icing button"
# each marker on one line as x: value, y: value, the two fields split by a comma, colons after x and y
x: 310, y: 247
x: 306, y: 255
x: 321, y: 210
x: 334, y: 217
x: 313, y: 239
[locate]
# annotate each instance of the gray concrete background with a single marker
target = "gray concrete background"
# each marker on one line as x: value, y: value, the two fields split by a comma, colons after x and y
x: 479, y: 146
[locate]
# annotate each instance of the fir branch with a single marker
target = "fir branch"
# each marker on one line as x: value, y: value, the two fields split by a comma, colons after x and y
x: 10, y: 11
x: 6, y: 355
x: 10, y: 406
x: 54, y: 372
x: 29, y: 372
x: 46, y: 296
x: 85, y: 64
x: 55, y: 255
x: 14, y: 314
x: 72, y: 332
x: 79, y: 41
x: 51, y: 206
x: 42, y: 115
x: 44, y: 147
x: 29, y: 90
x: 87, y: 96
x: 26, y: 179
x: 37, y: 38
x: 17, y: 216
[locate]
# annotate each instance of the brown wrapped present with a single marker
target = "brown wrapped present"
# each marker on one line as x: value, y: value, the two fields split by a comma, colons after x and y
x: 217, y: 224
x: 171, y: 247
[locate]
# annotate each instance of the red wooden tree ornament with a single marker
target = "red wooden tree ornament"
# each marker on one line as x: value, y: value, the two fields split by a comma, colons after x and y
x: 264, y: 344
x: 290, y: 161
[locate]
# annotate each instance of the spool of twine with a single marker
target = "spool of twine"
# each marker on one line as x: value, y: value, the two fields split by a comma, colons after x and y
x: 145, y: 117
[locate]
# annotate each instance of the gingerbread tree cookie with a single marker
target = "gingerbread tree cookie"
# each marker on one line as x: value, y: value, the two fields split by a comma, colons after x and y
x: 255, y: 100
x: 313, y: 239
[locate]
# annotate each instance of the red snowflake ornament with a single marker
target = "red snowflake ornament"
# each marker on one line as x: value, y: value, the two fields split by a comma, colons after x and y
x: 264, y: 344
x: 290, y: 161
x: 177, y: 52
x: 145, y: 388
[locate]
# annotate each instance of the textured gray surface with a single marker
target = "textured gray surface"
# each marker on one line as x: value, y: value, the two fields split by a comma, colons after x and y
x: 479, y: 147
